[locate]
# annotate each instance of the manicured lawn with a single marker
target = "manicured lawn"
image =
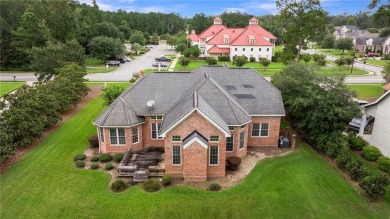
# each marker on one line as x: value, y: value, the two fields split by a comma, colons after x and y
x: 334, y: 52
x: 7, y: 87
x: 343, y: 70
x: 92, y: 61
x: 45, y: 184
x: 91, y: 70
x: 367, y: 91
x: 256, y: 65
x: 377, y: 62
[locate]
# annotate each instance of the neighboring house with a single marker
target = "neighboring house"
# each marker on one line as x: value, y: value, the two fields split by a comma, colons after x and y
x: 386, y: 46
x: 251, y: 41
x: 344, y: 31
x: 372, y: 44
x: 198, y: 118
x: 380, y: 109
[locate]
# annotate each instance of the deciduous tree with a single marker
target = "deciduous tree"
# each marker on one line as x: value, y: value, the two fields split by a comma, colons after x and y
x: 103, y: 47
x: 328, y: 42
x: 264, y: 62
x: 344, y: 44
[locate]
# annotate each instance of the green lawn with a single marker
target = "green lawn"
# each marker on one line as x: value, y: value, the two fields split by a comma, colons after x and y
x: 377, y: 62
x: 343, y: 70
x: 334, y: 52
x: 92, y: 61
x: 101, y: 69
x: 196, y: 64
x: 6, y: 87
x: 45, y: 184
x: 367, y: 91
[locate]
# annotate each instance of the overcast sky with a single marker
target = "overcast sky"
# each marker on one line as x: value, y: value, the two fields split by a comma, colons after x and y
x: 216, y: 7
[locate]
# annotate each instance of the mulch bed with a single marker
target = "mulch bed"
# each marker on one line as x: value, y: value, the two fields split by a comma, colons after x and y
x: 21, y: 151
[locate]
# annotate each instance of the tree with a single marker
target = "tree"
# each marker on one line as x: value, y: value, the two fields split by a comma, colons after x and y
x: 180, y: 47
x: 344, y: 44
x: 306, y: 57
x: 111, y: 93
x: 304, y: 19
x: 155, y: 39
x: 382, y: 11
x: 211, y: 60
x: 172, y: 40
x: 318, y: 103
x: 46, y: 60
x: 386, y: 73
x: 375, y: 185
x: 138, y: 37
x: 136, y: 47
x: 107, y: 29
x: 187, y: 53
x: 195, y: 51
x: 328, y: 42
x: 199, y: 23
x: 235, y: 18
x: 240, y: 61
x: 103, y: 47
x: 349, y: 60
x: 340, y: 61
x: 385, y: 32
x: 184, y: 62
x: 264, y: 62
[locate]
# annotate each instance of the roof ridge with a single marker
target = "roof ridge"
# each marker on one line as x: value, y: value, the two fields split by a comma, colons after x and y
x: 124, y: 109
x: 235, y: 114
x: 112, y: 106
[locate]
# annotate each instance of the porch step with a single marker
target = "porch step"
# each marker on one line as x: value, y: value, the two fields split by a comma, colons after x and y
x: 140, y: 175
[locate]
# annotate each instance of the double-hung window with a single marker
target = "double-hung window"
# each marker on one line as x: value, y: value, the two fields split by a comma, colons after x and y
x: 156, y: 130
x: 213, y: 155
x: 242, y: 139
x: 101, y: 134
x: 260, y: 129
x: 134, y: 136
x: 229, y: 143
x: 117, y: 136
x: 176, y: 155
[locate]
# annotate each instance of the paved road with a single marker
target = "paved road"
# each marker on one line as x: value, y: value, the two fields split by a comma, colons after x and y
x: 124, y: 73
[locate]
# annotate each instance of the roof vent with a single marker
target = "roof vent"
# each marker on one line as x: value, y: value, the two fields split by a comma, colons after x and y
x: 244, y: 96
x: 206, y: 75
x: 150, y: 103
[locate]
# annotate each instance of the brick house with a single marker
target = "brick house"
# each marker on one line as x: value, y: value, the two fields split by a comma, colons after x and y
x: 251, y: 41
x: 198, y: 118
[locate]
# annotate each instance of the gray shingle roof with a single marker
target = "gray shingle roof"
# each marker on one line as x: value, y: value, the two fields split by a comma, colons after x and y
x: 173, y: 94
x: 193, y: 135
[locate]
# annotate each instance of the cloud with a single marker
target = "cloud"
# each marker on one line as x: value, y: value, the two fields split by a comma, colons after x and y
x: 152, y: 9
x: 234, y: 10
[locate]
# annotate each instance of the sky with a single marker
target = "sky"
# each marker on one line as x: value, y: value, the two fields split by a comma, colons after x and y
x: 188, y: 8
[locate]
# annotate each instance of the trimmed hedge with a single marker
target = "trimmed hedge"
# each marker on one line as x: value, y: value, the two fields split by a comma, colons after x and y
x: 118, y: 185
x: 109, y: 166
x: 104, y: 158
x: 151, y: 185
x: 371, y: 153
x: 79, y: 157
x: 356, y: 170
x: 211, y: 60
x: 93, y: 141
x: 94, y: 166
x: 384, y: 163
x: 118, y: 157
x: 215, y: 187
x: 233, y: 163
x: 252, y: 59
x: 355, y: 142
x: 343, y: 159
x: 223, y: 58
x: 94, y: 158
x: 80, y: 163
x: 374, y: 185
x: 166, y: 180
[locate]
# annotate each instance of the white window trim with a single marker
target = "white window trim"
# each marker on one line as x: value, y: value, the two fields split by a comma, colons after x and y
x: 101, y: 133
x: 214, y: 165
x: 174, y: 140
x: 239, y: 143
x: 214, y: 136
x: 133, y: 135
x: 181, y: 158
x: 260, y: 128
x: 117, y: 136
x: 233, y: 145
x: 151, y: 132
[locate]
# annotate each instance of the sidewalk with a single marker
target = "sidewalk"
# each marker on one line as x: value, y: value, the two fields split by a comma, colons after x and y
x: 173, y: 64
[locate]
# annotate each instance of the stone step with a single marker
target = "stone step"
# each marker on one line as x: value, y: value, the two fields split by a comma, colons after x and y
x: 140, y: 175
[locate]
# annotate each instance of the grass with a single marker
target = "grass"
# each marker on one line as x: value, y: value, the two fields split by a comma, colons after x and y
x: 195, y: 64
x: 343, y: 70
x: 377, y: 62
x: 334, y: 52
x: 101, y: 69
x: 7, y: 87
x: 367, y: 91
x: 45, y: 184
x: 92, y: 61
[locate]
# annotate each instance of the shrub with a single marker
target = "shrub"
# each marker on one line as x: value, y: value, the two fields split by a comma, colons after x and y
x: 105, y: 158
x: 94, y: 166
x: 356, y: 170
x: 93, y: 141
x: 252, y: 59
x: 187, y: 53
x: 118, y: 185
x: 332, y: 143
x: 211, y: 60
x: 356, y: 143
x: 109, y: 166
x: 224, y: 58
x: 132, y: 80
x: 118, y: 157
x: 233, y: 163
x: 240, y: 61
x: 371, y: 153
x: 343, y: 159
x: 384, y: 163
x: 80, y: 163
x: 215, y: 187
x: 386, y: 56
x: 79, y: 157
x: 374, y: 185
x: 94, y: 158
x: 151, y: 185
x: 166, y: 180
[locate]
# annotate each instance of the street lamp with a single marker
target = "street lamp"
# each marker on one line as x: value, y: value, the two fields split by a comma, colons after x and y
x: 364, y: 64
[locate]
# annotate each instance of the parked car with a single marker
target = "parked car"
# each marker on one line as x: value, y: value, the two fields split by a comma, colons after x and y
x: 124, y: 59
x: 163, y: 59
x: 114, y: 63
x: 162, y: 64
x: 149, y: 46
x: 371, y: 55
x: 354, y: 124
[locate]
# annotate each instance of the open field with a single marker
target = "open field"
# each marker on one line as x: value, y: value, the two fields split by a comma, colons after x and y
x: 45, y: 184
x: 367, y: 91
x: 6, y: 87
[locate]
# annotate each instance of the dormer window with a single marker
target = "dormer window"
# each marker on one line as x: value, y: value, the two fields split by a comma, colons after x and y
x: 252, y: 39
x: 226, y: 38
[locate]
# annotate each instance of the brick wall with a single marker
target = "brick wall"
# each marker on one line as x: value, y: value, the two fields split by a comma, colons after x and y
x: 200, y: 162
x: 106, y: 146
x: 273, y: 137
x: 147, y: 134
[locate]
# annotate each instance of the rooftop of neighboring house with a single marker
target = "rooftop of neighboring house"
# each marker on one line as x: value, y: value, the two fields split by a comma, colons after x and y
x: 366, y: 41
x: 228, y: 96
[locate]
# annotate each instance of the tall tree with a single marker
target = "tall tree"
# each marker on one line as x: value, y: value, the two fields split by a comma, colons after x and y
x: 303, y: 18
x: 138, y: 37
x: 199, y: 23
x: 344, y: 44
x: 328, y: 42
x: 103, y: 47
x: 383, y: 11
